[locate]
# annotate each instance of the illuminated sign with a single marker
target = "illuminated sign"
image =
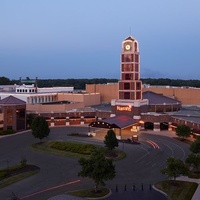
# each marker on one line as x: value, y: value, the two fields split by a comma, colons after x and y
x: 124, y: 108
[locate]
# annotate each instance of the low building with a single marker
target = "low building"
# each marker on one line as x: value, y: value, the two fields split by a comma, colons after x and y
x: 12, y: 114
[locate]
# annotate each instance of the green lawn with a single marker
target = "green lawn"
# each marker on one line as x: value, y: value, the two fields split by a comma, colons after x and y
x: 178, y: 190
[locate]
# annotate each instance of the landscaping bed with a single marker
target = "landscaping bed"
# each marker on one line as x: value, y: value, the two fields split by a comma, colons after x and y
x: 91, y: 193
x: 74, y: 149
x: 177, y: 190
x: 16, y: 173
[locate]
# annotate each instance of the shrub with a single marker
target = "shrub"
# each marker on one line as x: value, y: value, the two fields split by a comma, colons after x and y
x: 7, y: 132
x: 23, y: 161
x: 85, y: 149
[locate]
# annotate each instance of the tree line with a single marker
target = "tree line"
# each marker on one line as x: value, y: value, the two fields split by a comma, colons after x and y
x: 80, y: 83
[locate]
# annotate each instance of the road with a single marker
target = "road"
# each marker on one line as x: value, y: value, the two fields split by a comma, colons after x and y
x: 58, y: 174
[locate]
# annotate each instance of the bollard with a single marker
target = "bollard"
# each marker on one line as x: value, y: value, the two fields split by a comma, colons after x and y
x: 116, y: 188
x: 133, y: 187
x: 150, y: 186
x: 125, y: 187
x: 142, y: 187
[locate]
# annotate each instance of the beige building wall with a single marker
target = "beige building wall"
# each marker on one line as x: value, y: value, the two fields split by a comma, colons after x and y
x: 89, y: 99
x: 188, y: 96
x: 78, y: 101
x: 107, y: 91
x: 92, y: 99
x: 43, y: 108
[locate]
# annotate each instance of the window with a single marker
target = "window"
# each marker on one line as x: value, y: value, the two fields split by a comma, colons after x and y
x: 127, y: 59
x: 138, y: 86
x: 126, y: 95
x: 127, y: 86
x: 138, y: 95
x: 136, y: 68
x: 136, y: 76
x: 127, y: 76
x: 136, y: 58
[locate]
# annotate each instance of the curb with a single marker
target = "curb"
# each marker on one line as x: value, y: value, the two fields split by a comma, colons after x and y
x: 161, y: 192
x: 110, y: 192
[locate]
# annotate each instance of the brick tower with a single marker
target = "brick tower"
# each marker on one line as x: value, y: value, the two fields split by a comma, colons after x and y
x: 130, y: 100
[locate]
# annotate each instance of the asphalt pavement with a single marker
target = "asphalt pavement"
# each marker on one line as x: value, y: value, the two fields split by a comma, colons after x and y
x: 58, y: 175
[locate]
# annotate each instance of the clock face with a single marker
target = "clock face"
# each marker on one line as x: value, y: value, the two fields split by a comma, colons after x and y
x: 127, y: 47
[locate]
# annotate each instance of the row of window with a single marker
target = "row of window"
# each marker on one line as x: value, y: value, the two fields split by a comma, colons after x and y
x: 130, y: 76
x: 130, y: 85
x: 130, y: 67
x: 41, y: 99
x: 130, y: 95
x: 26, y: 90
x: 130, y: 58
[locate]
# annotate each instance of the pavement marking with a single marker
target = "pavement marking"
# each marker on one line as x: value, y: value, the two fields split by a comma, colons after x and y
x: 153, y: 144
x: 51, y: 188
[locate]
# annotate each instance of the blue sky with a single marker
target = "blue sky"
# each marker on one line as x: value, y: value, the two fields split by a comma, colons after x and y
x: 62, y: 39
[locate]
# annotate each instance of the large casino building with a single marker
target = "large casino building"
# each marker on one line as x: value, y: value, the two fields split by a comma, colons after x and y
x: 126, y: 104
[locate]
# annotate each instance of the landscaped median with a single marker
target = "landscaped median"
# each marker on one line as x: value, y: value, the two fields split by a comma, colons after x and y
x: 16, y: 173
x: 74, y: 149
x: 90, y: 193
x: 177, y: 190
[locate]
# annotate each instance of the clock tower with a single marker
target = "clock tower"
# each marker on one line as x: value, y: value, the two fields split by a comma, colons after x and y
x: 130, y: 86
x: 130, y: 100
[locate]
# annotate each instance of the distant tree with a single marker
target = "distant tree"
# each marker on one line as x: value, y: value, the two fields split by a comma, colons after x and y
x: 174, y: 168
x: 193, y: 160
x: 40, y: 127
x: 195, y: 146
x: 110, y: 140
x: 98, y: 168
x: 183, y: 131
x: 4, y: 81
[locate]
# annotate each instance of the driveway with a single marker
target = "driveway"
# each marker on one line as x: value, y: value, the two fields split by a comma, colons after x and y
x: 58, y: 174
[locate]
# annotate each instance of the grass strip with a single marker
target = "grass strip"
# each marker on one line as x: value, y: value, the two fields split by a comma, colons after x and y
x: 90, y: 193
x: 177, y: 190
x: 17, y: 177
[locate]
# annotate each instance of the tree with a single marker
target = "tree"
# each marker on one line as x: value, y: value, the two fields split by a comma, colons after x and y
x: 193, y: 160
x: 40, y: 127
x: 183, y: 131
x: 174, y: 168
x: 110, y: 140
x: 195, y: 146
x: 98, y: 168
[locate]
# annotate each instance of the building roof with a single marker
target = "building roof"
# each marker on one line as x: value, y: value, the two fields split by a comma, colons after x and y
x: 120, y: 121
x: 155, y: 98
x: 188, y: 118
x: 11, y: 100
x: 130, y: 38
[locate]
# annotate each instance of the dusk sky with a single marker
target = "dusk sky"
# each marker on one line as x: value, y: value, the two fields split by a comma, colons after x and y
x: 61, y: 39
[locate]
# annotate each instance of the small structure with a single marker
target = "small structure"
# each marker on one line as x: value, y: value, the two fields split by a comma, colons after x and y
x: 120, y: 122
x: 12, y: 114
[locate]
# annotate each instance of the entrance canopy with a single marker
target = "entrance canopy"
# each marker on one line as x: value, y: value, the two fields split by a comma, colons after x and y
x: 120, y: 122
